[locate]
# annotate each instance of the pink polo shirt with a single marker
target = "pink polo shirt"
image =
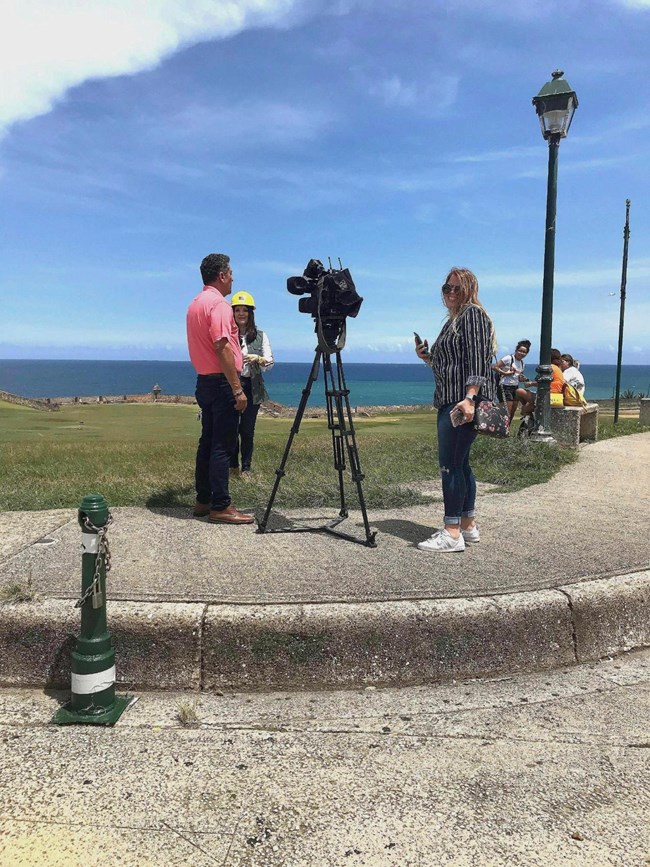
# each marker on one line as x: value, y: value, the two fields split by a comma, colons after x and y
x: 209, y: 318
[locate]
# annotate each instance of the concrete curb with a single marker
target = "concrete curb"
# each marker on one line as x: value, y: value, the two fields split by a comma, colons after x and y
x: 196, y: 646
x: 296, y: 646
x: 611, y: 615
x: 157, y: 644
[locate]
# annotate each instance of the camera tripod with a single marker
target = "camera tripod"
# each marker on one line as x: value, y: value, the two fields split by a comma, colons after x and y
x: 339, y: 421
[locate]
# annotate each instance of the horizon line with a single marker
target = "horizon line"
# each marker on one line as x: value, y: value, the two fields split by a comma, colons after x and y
x: 308, y: 361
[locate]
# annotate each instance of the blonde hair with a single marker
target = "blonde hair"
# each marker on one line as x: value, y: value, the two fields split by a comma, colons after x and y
x: 468, y: 298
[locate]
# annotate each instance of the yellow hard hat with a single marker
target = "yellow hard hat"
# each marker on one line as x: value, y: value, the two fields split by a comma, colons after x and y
x: 244, y: 298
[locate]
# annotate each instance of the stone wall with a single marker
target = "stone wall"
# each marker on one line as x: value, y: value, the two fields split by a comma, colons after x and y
x: 269, y: 407
x: 124, y: 398
x: 33, y: 403
x: 572, y: 425
x: 644, y: 413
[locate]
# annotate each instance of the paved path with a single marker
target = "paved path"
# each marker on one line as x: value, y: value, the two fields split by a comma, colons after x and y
x: 539, y: 770
x: 590, y: 520
x: 589, y: 523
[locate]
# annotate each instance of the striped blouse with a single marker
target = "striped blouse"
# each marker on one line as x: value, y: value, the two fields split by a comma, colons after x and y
x: 462, y: 356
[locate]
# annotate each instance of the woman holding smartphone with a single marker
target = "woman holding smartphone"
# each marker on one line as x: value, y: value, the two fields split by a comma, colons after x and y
x: 461, y: 362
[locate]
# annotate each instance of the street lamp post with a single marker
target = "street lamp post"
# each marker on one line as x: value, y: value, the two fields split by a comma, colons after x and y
x: 621, y: 321
x: 555, y: 105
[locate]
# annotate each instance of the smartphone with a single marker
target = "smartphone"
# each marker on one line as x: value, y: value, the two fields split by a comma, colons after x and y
x: 457, y: 417
x: 418, y: 339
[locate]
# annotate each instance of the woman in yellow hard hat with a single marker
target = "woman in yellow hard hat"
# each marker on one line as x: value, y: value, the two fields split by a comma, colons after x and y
x: 256, y: 350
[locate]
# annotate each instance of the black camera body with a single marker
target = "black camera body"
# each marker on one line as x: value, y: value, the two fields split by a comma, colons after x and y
x: 332, y: 293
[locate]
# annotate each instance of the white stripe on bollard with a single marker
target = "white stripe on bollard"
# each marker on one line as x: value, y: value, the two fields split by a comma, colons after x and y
x: 86, y: 684
x: 90, y: 543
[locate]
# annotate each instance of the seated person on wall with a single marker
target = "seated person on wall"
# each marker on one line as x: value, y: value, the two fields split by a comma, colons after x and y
x: 528, y: 398
x: 511, y: 370
x: 557, y: 383
x: 571, y: 374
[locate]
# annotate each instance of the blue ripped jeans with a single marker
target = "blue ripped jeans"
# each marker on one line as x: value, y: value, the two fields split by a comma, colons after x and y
x: 458, y: 482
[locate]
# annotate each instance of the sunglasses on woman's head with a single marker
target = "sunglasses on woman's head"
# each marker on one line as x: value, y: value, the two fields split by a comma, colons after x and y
x: 447, y: 289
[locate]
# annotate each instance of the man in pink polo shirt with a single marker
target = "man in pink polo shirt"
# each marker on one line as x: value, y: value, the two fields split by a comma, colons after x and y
x: 215, y: 352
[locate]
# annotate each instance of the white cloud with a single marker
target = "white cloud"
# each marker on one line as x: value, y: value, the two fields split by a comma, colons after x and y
x: 430, y: 98
x: 531, y: 9
x: 48, y: 47
x: 494, y: 156
x: 606, y: 276
x: 571, y: 166
x: 254, y: 122
x: 275, y: 268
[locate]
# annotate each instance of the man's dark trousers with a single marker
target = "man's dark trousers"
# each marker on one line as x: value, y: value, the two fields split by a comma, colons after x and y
x: 219, y: 425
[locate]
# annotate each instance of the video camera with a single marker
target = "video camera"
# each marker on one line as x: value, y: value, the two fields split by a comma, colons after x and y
x: 332, y: 298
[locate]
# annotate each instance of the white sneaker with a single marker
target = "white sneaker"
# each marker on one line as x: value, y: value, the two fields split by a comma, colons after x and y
x: 471, y: 535
x: 442, y: 541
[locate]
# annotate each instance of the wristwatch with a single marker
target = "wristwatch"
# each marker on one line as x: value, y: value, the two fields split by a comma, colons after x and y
x: 238, y: 393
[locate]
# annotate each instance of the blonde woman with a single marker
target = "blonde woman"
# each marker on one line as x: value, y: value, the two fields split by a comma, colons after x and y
x: 461, y: 361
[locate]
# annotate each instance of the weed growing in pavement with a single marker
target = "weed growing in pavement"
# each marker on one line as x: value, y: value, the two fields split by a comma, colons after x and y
x: 187, y: 713
x: 12, y: 594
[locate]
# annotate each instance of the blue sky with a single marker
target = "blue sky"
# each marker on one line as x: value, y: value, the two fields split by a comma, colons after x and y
x: 396, y: 134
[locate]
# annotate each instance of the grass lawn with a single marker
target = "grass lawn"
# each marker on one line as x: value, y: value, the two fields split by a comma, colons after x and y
x: 143, y: 454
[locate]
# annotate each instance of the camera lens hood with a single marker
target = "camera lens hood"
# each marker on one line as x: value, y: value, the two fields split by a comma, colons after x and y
x: 299, y: 285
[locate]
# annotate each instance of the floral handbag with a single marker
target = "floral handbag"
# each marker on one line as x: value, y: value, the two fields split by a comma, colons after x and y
x: 493, y: 419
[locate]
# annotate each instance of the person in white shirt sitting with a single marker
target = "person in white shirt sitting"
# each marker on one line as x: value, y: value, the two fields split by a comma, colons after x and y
x: 511, y: 370
x: 571, y: 373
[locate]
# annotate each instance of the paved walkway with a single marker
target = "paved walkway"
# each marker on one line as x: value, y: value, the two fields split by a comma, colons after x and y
x: 588, y: 524
x: 539, y: 770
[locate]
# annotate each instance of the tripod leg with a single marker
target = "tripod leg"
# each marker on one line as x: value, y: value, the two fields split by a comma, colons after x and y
x: 353, y: 451
x: 295, y: 427
x: 334, y: 423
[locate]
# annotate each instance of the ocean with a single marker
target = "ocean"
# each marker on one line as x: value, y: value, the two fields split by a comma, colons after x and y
x: 370, y: 384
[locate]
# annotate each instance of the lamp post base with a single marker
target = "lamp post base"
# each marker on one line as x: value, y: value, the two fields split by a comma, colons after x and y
x: 542, y: 436
x: 535, y: 430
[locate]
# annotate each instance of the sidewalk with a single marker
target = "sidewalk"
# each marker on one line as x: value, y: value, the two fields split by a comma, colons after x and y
x: 561, y: 575
x: 535, y: 770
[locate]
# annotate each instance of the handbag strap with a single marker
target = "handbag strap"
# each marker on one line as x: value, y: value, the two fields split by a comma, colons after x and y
x: 499, y: 386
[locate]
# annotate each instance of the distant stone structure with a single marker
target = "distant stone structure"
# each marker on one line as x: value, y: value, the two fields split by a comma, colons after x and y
x: 33, y: 403
x: 644, y: 411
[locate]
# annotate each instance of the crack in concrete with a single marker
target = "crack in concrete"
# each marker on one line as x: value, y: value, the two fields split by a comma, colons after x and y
x: 115, y: 826
x: 6, y: 558
x: 201, y: 636
x: 489, y: 739
x: 574, y: 634
x: 191, y: 842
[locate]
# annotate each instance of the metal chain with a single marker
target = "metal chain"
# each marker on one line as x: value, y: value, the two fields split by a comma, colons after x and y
x: 102, y: 549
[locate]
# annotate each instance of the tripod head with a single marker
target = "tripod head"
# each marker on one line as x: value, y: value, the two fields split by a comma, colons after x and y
x: 331, y: 334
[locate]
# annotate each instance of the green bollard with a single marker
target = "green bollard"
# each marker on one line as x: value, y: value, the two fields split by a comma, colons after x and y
x: 93, y: 700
